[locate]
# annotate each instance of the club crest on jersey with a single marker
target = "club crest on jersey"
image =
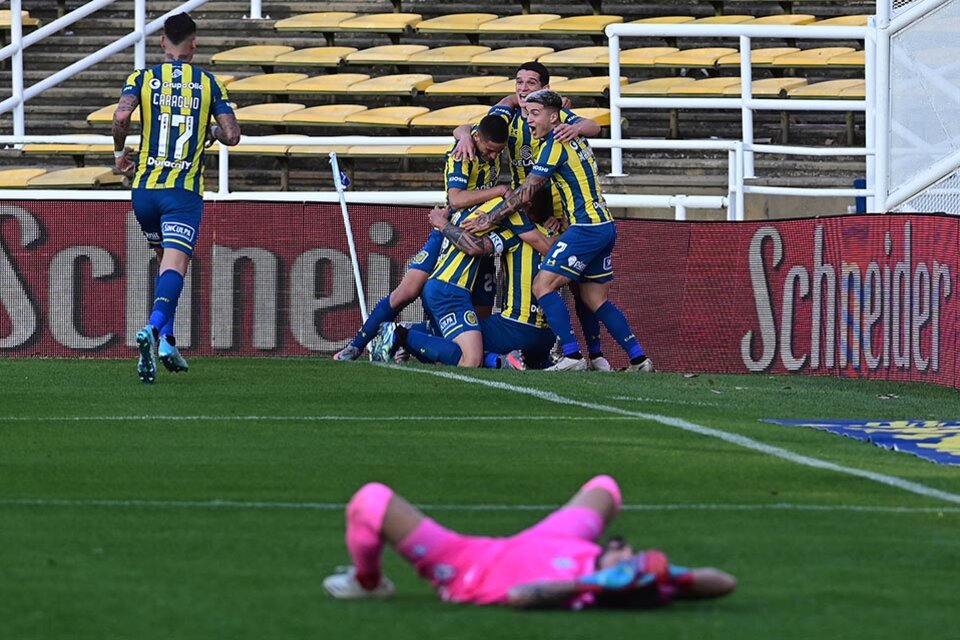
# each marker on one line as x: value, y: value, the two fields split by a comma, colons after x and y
x: 470, y: 318
x: 177, y: 230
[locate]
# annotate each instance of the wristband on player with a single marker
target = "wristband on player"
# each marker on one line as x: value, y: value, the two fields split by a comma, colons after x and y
x: 120, y: 154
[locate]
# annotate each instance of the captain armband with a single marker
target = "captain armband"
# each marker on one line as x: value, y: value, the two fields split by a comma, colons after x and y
x: 497, y: 241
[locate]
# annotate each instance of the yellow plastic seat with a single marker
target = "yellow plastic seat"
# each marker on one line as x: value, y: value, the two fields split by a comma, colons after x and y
x: 654, y: 86
x: 427, y: 150
x: 268, y: 113
x: 733, y: 19
x: 810, y: 57
x: 321, y: 21
x: 527, y: 23
x: 322, y: 150
x: 387, y: 116
x: 644, y: 56
x: 386, y: 54
x: 708, y: 87
x: 257, y: 55
x: 578, y: 57
x: 698, y: 58
x: 459, y: 55
x: 104, y: 115
x: 324, y: 115
x: 758, y: 57
x: 456, y: 23
x: 58, y: 149
x: 785, y: 19
x: 377, y: 151
x: 600, y: 115
x: 18, y: 178
x: 853, y: 59
x: 76, y: 178
x: 333, y: 83
x: 510, y: 57
x: 768, y: 87
x: 664, y: 20
x: 594, y: 86
x: 252, y: 149
x: 6, y: 19
x: 843, y: 21
x: 393, y: 85
x: 451, y: 117
x: 581, y: 25
x: 314, y: 57
x: 831, y: 90
x: 472, y: 86
x: 266, y: 83
x: 226, y: 79
x: 381, y: 23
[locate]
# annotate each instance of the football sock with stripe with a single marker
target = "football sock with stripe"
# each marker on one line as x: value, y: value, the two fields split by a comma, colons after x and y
x: 381, y: 313
x: 166, y: 295
x: 615, y: 322
x: 433, y: 349
x: 555, y: 311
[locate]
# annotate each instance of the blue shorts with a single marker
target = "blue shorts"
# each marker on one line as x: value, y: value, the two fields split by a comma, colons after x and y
x: 502, y: 335
x: 450, y: 308
x: 583, y: 253
x: 426, y: 258
x: 169, y: 218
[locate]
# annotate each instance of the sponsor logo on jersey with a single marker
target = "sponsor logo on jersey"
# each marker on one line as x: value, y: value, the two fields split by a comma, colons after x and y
x: 455, y: 179
x: 573, y: 263
x: 152, y: 236
x: 177, y: 230
x: 447, y: 321
x: 420, y: 258
x: 168, y: 164
x: 608, y: 263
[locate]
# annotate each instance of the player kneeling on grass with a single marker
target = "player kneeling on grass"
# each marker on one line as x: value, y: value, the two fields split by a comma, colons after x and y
x: 555, y: 563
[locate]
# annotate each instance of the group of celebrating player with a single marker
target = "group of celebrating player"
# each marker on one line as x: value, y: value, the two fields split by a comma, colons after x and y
x: 551, y: 228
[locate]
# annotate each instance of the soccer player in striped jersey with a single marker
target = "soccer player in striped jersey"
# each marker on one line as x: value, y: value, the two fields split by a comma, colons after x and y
x: 523, y: 148
x: 584, y: 251
x: 176, y: 101
x: 468, y: 182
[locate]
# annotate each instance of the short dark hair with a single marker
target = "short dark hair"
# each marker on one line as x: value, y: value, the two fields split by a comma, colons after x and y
x: 493, y: 129
x: 537, y: 68
x: 540, y: 209
x: 179, y: 27
x: 546, y: 97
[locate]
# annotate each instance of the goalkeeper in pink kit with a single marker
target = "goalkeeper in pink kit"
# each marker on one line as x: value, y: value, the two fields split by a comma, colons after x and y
x: 556, y: 563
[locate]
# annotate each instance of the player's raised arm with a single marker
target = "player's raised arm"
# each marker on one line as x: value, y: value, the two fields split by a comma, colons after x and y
x: 227, y: 129
x: 129, y: 101
x: 511, y: 204
x: 465, y: 241
x: 566, y: 131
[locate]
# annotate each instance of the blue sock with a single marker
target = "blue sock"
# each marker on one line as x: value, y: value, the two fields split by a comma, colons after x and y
x: 491, y: 360
x: 167, y: 328
x: 381, y: 313
x: 429, y: 348
x: 558, y: 318
x: 591, y: 328
x: 617, y: 325
x: 167, y: 294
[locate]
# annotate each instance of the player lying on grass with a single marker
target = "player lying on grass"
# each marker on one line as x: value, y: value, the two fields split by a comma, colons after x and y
x: 556, y: 563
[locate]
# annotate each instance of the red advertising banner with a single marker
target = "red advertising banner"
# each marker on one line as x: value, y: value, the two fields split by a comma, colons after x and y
x: 860, y: 296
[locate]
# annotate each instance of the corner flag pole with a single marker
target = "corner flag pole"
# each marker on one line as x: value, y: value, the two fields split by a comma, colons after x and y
x: 338, y: 181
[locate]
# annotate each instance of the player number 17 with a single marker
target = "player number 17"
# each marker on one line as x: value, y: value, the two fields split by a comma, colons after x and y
x: 178, y: 121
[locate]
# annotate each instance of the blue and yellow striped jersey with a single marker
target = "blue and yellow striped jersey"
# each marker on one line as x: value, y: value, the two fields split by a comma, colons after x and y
x: 572, y: 167
x: 459, y: 269
x: 177, y: 100
x: 469, y: 174
x: 521, y: 262
x: 522, y: 146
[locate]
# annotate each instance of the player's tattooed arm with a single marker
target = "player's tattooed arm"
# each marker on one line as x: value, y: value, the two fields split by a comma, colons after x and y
x: 121, y: 125
x: 510, y: 205
x: 227, y: 129
x: 539, y: 595
x: 466, y: 242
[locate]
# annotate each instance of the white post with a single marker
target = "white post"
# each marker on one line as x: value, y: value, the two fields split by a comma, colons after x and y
x: 616, y: 134
x: 746, y: 94
x: 738, y: 211
x: 16, y: 67
x: 346, y: 225
x: 255, y: 11
x: 680, y: 208
x: 882, y: 105
x: 140, y: 28
x: 870, y: 116
x: 223, y: 170
x: 731, y: 183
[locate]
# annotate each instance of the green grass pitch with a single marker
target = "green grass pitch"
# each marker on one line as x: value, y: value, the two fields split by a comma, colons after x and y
x: 210, y: 504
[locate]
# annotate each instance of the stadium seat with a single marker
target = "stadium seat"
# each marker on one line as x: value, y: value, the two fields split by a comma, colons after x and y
x: 831, y: 90
x: 653, y: 87
x: 472, y: 86
x: 270, y: 113
x: 578, y: 57
x: 732, y: 19
x: 592, y: 87
x: 785, y: 19
x: 459, y: 55
x: 427, y: 150
x: 843, y: 21
x: 333, y: 83
x: 582, y: 25
x: 527, y: 23
x: 758, y: 57
x: 104, y: 115
x: 664, y: 20
x: 267, y: 83
x: 706, y: 88
x: 509, y: 57
x: 695, y: 58
x: 386, y: 54
x: 809, y: 57
x: 644, y: 56
x: 76, y: 178
x: 451, y: 117
x: 322, y: 150
x: 600, y: 115
x: 314, y: 57
x: 325, y: 22
x: 402, y: 84
x: 26, y: 20
x: 391, y: 24
x: 18, y: 178
x: 386, y: 116
x: 276, y: 150
x: 377, y: 151
x: 257, y: 55
x: 467, y: 24
x: 768, y: 87
x: 853, y: 59
x: 324, y: 115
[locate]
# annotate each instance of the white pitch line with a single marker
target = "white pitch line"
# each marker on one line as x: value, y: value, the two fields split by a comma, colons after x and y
x: 294, y: 418
x: 665, y: 401
x: 685, y: 425
x: 337, y: 506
